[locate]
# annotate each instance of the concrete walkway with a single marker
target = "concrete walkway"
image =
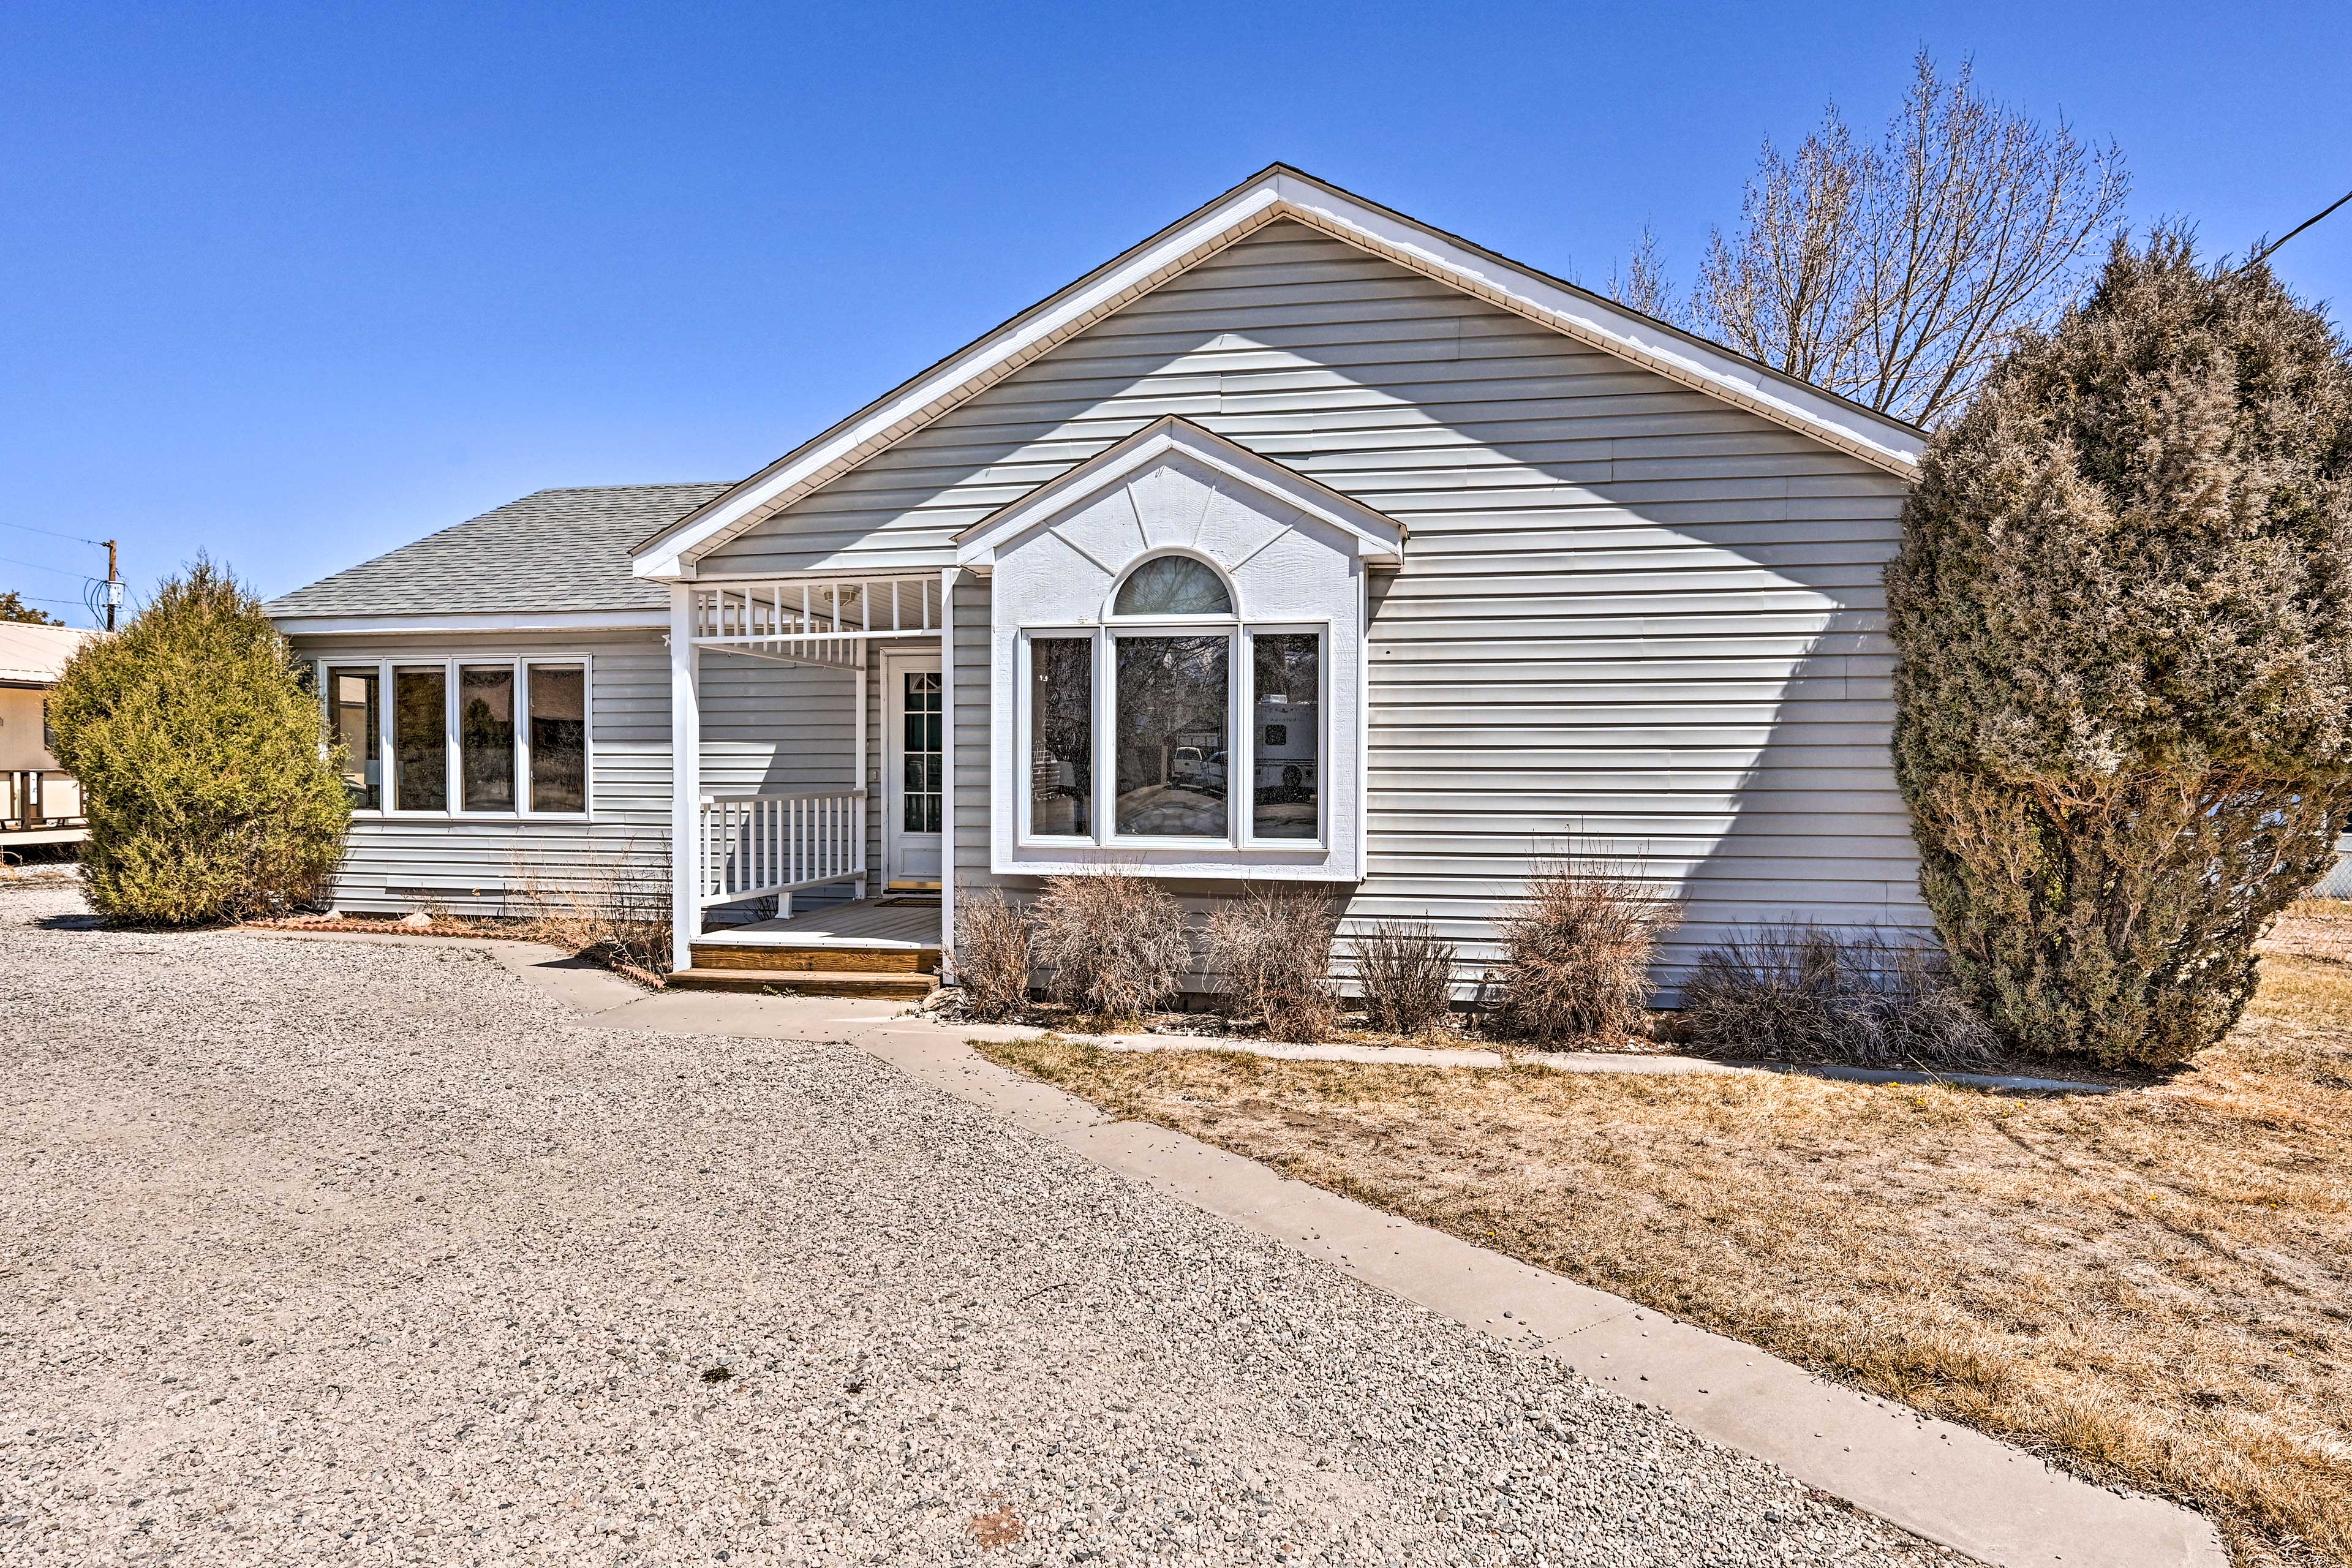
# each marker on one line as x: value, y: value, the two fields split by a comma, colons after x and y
x: 1954, y: 1486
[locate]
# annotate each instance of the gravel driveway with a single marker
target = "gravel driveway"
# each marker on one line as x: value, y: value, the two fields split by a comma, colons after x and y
x: 313, y: 1251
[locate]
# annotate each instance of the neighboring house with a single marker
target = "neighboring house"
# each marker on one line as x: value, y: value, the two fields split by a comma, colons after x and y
x: 43, y: 803
x: 1302, y: 540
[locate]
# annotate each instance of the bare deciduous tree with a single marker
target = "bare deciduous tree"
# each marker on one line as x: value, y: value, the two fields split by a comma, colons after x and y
x: 1896, y: 275
x: 1644, y: 284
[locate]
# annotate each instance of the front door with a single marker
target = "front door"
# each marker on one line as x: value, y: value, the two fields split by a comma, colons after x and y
x: 912, y: 792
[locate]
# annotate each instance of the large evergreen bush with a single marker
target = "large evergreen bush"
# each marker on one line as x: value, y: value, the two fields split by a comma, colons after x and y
x: 2124, y: 612
x: 198, y: 748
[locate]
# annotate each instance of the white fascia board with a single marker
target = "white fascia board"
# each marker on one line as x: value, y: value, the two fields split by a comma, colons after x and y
x: 903, y: 565
x: 1379, y: 537
x: 1280, y: 192
x: 520, y: 621
x: 1592, y: 321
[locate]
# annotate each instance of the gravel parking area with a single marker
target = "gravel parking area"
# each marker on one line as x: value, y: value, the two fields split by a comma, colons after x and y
x: 313, y: 1251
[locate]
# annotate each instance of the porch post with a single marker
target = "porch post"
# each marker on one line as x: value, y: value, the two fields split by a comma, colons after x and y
x: 948, y: 575
x: 685, y: 778
x: 858, y: 708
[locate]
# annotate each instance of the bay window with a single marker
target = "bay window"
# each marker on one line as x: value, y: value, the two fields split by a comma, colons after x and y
x: 475, y: 737
x: 1175, y: 723
x: 1180, y: 665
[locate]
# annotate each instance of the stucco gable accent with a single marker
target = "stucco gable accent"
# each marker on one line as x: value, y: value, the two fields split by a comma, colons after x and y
x: 1379, y: 537
x: 1279, y: 192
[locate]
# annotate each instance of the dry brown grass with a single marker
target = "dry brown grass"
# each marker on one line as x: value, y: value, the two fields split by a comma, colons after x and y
x: 2152, y: 1287
x: 617, y: 914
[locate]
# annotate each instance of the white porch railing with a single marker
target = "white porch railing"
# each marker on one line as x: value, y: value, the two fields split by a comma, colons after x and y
x: 757, y: 846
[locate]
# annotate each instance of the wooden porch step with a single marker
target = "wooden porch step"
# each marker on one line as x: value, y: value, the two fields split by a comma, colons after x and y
x: 837, y: 956
x: 889, y: 985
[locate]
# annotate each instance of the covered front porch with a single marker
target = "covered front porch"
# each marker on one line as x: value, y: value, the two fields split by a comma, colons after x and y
x: 811, y: 753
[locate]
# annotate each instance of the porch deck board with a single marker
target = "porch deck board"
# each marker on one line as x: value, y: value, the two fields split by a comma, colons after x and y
x: 887, y: 920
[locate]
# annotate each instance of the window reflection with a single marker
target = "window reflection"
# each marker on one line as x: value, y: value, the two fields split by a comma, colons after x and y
x: 1171, y: 737
x: 1172, y: 586
x: 420, y: 738
x: 353, y: 698
x: 486, y: 736
x: 1286, y: 722
x: 559, y: 737
x: 1061, y: 735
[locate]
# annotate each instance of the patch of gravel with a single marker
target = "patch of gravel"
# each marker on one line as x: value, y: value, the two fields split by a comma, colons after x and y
x: 367, y: 1254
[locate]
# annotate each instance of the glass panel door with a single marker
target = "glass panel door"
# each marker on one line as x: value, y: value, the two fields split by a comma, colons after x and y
x: 914, y: 783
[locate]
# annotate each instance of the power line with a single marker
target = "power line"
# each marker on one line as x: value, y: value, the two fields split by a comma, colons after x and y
x: 53, y: 533
x: 36, y: 566
x: 2265, y: 252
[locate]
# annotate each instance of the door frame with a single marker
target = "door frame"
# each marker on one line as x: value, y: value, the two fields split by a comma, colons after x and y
x: 895, y: 664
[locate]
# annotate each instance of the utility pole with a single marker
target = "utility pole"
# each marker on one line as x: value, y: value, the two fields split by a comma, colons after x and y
x: 113, y: 585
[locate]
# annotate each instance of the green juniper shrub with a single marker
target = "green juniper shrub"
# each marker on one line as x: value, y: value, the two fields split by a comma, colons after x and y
x: 198, y: 746
x: 2123, y: 610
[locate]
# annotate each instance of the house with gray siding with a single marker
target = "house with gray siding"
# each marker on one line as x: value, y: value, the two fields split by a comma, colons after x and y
x: 1302, y: 540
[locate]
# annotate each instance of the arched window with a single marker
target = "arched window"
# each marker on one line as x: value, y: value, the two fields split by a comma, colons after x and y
x: 1172, y: 586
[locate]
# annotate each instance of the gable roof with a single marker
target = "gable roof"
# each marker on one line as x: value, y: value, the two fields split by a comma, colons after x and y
x: 565, y: 549
x: 32, y: 654
x: 1378, y: 536
x: 1281, y: 191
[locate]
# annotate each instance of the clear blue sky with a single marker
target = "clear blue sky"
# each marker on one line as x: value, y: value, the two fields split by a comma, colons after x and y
x: 297, y: 285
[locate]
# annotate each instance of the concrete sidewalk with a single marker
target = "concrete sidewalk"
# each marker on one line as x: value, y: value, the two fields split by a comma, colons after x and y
x: 1948, y: 1483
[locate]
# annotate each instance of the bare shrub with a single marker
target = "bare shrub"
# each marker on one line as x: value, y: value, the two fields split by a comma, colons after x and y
x: 1273, y: 946
x: 1406, y: 971
x: 993, y: 954
x: 1799, y: 991
x: 1577, y: 954
x: 619, y: 912
x: 1115, y: 942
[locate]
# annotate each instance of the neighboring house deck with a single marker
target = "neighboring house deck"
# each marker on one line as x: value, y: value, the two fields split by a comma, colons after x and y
x: 1302, y: 540
x: 40, y: 803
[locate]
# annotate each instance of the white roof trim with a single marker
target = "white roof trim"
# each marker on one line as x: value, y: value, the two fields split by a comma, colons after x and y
x: 1379, y: 537
x: 471, y: 623
x: 1280, y: 192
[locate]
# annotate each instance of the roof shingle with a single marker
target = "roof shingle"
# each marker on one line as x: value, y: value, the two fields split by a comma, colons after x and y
x: 557, y: 550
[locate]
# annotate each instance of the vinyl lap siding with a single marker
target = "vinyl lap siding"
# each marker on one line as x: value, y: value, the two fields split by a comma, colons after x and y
x: 1632, y: 620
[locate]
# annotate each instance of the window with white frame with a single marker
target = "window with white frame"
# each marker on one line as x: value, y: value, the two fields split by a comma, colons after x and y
x: 463, y: 736
x: 1177, y: 721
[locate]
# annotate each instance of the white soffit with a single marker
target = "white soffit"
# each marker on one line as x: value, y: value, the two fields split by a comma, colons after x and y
x: 1280, y: 193
x: 1379, y: 537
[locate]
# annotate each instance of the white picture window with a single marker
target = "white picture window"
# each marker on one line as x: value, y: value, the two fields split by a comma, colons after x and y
x: 464, y: 736
x: 1176, y: 722
x: 1174, y: 735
